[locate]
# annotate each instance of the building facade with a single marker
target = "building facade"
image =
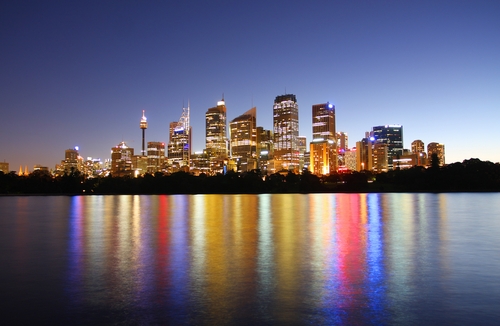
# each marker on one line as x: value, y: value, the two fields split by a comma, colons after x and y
x: 286, y: 132
x: 216, y: 136
x: 156, y: 156
x: 392, y: 135
x: 121, y: 160
x: 243, y: 135
x: 323, y: 148
x: 438, y: 149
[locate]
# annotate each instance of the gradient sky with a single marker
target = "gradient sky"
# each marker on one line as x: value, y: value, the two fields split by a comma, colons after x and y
x: 79, y: 73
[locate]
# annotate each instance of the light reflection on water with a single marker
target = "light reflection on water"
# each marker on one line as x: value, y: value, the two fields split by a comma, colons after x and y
x: 252, y: 259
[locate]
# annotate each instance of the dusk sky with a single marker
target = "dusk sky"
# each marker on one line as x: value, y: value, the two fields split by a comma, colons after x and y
x: 79, y: 73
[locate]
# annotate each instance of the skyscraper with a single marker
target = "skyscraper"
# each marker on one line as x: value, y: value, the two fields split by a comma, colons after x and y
x: 323, y: 121
x: 121, y: 160
x: 392, y: 135
x: 438, y: 149
x: 243, y: 131
x: 323, y: 148
x: 179, y: 146
x: 216, y: 135
x: 418, y: 149
x: 156, y: 156
x: 286, y: 131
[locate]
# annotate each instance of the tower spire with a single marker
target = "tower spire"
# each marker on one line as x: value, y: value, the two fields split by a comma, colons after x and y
x: 143, y: 126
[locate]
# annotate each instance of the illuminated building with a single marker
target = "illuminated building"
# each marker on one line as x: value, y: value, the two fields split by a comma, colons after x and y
x: 216, y: 136
x: 265, y: 150
x: 342, y: 141
x: 302, y: 144
x: 140, y: 164
x: 243, y: 131
x: 179, y: 147
x: 364, y: 154
x: 392, y: 135
x: 200, y: 162
x: 418, y: 148
x: 380, y: 157
x: 406, y: 161
x: 156, y: 156
x: 323, y: 148
x: 438, y: 149
x: 286, y: 131
x: 121, y: 160
x: 342, y: 147
x: 323, y: 157
x: 144, y: 126
x: 4, y: 167
x: 350, y: 159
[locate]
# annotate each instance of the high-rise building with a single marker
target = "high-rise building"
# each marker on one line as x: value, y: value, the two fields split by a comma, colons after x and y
x: 156, y: 156
x: 342, y: 148
x: 438, y: 149
x: 418, y: 148
x: 392, y: 135
x: 72, y: 161
x: 265, y: 149
x: 179, y: 147
x: 342, y: 141
x: 323, y: 122
x: 243, y: 131
x: 380, y: 157
x: 364, y: 154
x: 286, y: 131
x: 302, y: 141
x: 216, y: 135
x: 121, y: 160
x: 323, y: 148
x: 143, y: 126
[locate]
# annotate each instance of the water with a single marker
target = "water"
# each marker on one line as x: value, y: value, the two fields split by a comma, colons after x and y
x: 291, y: 259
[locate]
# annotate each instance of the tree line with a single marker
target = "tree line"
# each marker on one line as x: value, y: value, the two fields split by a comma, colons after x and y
x: 469, y: 175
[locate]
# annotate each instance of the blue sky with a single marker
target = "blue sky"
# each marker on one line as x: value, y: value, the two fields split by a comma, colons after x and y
x: 80, y: 73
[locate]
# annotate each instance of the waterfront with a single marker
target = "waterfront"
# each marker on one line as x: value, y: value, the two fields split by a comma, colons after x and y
x: 251, y: 259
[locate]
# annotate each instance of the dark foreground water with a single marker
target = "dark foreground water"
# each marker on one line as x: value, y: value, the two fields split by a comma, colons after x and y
x: 399, y: 259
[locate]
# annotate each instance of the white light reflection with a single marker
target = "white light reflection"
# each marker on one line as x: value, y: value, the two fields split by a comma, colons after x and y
x: 265, y: 250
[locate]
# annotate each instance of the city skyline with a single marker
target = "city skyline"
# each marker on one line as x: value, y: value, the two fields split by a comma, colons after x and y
x: 80, y: 74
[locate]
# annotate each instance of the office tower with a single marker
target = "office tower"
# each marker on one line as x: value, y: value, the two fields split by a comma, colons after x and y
x: 156, y: 156
x: 172, y: 127
x: 71, y: 160
x: 392, y: 135
x: 380, y: 157
x: 342, y: 147
x: 179, y: 147
x: 144, y: 126
x: 216, y: 136
x: 438, y: 149
x: 121, y: 160
x: 418, y: 148
x: 364, y: 154
x: 265, y: 149
x: 4, y: 167
x: 323, y: 148
x: 323, y: 122
x: 302, y: 145
x: 243, y: 134
x: 350, y: 159
x: 286, y: 131
x: 342, y: 141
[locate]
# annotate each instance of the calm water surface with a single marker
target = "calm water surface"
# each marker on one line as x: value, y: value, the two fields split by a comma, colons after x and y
x: 398, y: 259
